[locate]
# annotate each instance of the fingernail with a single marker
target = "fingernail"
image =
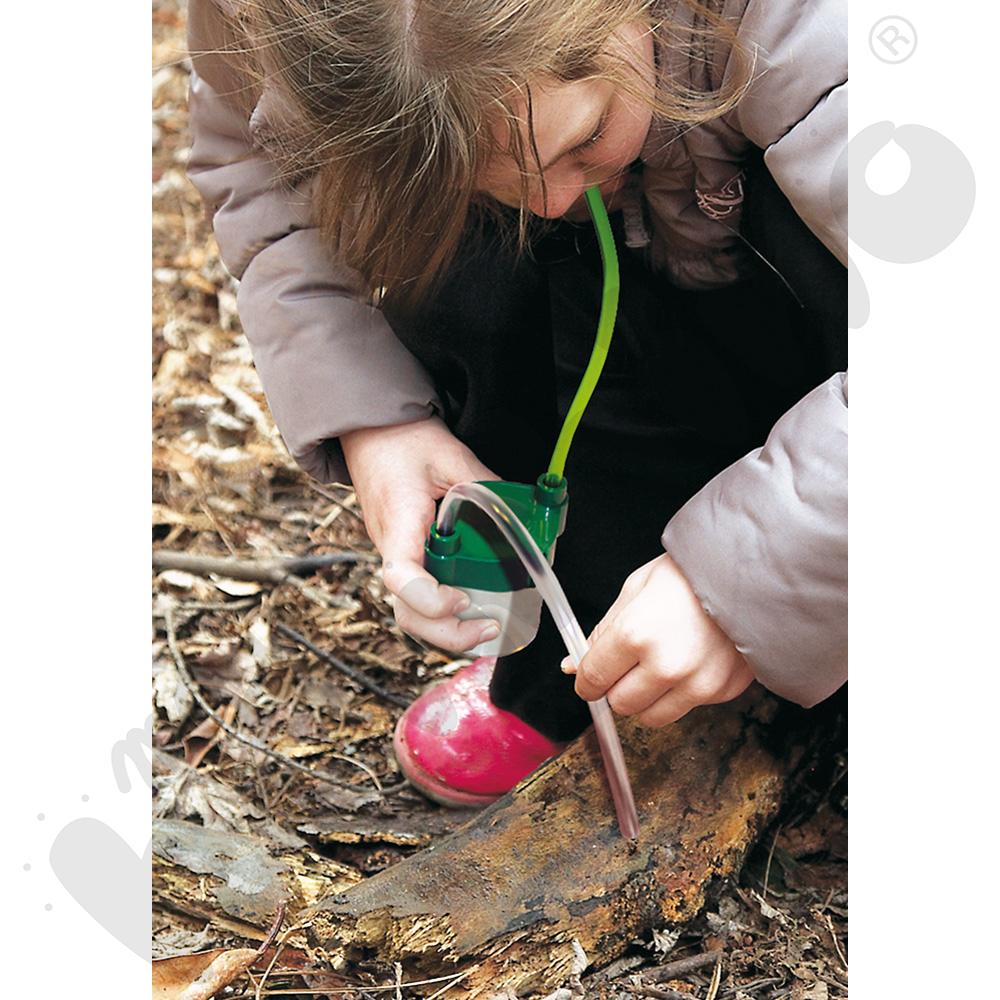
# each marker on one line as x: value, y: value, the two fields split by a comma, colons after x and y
x: 462, y: 604
x: 489, y: 633
x: 567, y: 666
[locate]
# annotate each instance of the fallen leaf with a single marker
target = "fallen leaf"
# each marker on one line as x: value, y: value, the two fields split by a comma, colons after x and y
x: 769, y: 911
x: 172, y: 976
x: 194, y: 521
x: 290, y: 747
x: 222, y: 971
x: 237, y: 588
x: 203, y: 737
x: 260, y: 643
x: 183, y: 792
x: 171, y: 693
x: 346, y: 798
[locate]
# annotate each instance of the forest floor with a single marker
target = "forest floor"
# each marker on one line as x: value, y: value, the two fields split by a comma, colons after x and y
x: 224, y: 486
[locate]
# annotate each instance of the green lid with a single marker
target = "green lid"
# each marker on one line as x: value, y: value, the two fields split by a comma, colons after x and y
x: 477, y: 555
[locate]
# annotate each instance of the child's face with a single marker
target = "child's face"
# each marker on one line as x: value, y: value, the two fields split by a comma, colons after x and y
x: 587, y: 132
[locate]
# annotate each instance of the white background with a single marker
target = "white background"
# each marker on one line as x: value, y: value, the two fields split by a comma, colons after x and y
x: 75, y: 450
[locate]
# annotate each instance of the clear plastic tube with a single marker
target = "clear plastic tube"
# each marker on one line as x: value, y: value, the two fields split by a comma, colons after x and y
x: 576, y: 643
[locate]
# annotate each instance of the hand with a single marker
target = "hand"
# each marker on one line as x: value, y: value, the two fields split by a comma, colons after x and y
x: 398, y: 472
x: 657, y: 654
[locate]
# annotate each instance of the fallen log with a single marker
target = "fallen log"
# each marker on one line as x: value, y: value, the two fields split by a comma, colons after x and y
x: 238, y: 881
x: 541, y: 885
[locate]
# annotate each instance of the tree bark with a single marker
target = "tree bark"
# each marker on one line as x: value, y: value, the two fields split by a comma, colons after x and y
x: 237, y: 880
x: 541, y: 884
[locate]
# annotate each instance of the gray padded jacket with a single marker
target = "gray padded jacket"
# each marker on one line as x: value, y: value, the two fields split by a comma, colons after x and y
x: 764, y: 543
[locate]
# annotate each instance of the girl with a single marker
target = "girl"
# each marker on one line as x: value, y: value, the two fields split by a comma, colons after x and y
x: 398, y: 185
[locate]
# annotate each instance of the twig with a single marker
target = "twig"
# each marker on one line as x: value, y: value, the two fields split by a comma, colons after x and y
x: 770, y: 854
x: 277, y: 951
x: 361, y: 765
x: 448, y: 986
x: 372, y: 989
x: 751, y: 987
x: 321, y: 597
x: 658, y: 994
x: 338, y: 664
x: 836, y: 943
x: 316, y: 488
x: 260, y: 570
x: 279, y: 919
x: 192, y: 686
x: 243, y: 602
x: 682, y: 966
x: 713, y: 986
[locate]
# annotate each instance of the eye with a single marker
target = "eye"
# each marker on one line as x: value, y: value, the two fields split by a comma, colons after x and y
x: 594, y: 139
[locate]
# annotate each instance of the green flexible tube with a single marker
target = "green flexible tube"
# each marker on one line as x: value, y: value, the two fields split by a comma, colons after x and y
x: 605, y: 328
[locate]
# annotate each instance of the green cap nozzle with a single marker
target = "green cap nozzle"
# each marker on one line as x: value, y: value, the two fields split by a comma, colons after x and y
x: 476, y: 555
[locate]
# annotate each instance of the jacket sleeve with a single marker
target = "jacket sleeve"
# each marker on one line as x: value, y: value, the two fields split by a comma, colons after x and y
x: 796, y: 107
x: 764, y: 546
x: 328, y: 361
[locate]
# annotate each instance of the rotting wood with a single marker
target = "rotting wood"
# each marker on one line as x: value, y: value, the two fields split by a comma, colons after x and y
x: 541, y: 885
x: 232, y: 877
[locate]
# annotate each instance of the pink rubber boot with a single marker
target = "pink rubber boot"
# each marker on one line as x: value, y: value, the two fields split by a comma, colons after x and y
x: 459, y: 749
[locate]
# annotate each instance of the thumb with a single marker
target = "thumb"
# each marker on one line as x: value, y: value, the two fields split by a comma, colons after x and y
x: 403, y: 564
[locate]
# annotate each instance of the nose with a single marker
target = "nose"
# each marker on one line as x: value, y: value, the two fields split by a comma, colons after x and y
x: 561, y: 190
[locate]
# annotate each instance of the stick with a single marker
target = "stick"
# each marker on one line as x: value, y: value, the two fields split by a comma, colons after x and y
x: 273, y: 932
x: 682, y: 966
x: 659, y: 994
x: 355, y: 675
x: 713, y: 987
x: 260, y: 570
x: 192, y: 686
x: 751, y: 987
x: 836, y: 943
x: 770, y: 854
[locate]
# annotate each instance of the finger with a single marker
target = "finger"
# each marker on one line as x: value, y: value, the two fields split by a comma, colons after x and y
x: 423, y: 593
x: 608, y: 659
x: 674, y: 705
x: 447, y: 633
x: 694, y: 691
x: 639, y: 689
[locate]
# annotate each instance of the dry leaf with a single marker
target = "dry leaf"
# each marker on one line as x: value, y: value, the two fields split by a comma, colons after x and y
x: 196, y: 522
x: 260, y: 643
x: 237, y: 588
x: 290, y: 747
x: 769, y: 911
x: 172, y: 694
x: 223, y: 970
x: 172, y: 976
x: 203, y: 737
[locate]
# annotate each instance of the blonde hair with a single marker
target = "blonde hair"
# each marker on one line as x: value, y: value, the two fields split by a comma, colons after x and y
x: 395, y: 106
